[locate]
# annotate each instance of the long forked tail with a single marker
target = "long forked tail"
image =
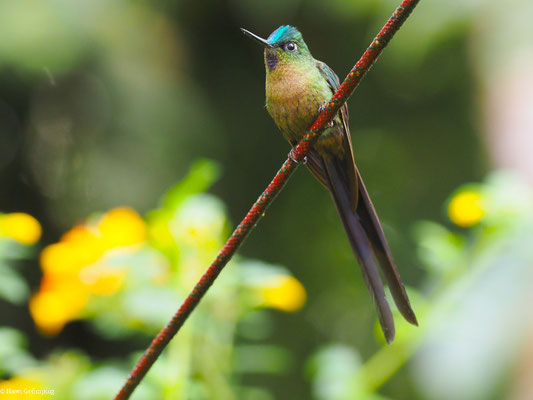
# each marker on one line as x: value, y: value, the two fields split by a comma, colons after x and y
x: 369, y: 219
x: 360, y: 242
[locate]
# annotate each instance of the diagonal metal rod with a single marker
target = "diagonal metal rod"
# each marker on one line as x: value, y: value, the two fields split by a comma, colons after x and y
x: 256, y: 212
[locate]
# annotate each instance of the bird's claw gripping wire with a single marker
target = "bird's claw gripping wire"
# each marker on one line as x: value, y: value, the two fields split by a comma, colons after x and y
x: 294, y: 159
x: 321, y: 109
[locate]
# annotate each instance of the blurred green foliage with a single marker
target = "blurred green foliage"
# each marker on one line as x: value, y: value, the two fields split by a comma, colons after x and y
x: 130, y: 279
x: 472, y: 327
x: 224, y: 340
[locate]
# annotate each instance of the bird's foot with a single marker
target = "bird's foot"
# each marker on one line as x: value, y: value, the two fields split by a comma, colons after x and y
x: 321, y: 109
x: 292, y: 156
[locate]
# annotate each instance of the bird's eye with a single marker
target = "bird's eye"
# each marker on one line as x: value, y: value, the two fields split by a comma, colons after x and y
x: 290, y: 47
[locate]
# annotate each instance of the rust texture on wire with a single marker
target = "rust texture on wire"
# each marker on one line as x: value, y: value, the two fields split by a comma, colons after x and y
x: 256, y: 212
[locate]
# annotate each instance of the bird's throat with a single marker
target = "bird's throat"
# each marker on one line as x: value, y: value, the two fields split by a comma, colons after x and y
x: 271, y: 60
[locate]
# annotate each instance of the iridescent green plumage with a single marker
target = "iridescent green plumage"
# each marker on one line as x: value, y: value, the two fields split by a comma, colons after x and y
x: 297, y: 86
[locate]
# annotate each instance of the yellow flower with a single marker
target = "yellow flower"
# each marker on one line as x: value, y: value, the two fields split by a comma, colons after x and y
x: 21, y: 227
x: 102, y: 279
x: 68, y: 258
x: 22, y: 388
x: 122, y: 227
x: 52, y: 309
x: 284, y: 293
x: 160, y: 232
x: 62, y: 296
x: 466, y: 208
x: 75, y: 268
x: 82, y: 235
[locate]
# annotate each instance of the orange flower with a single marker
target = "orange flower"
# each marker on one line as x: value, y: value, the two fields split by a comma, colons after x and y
x: 52, y: 309
x: 68, y: 258
x: 75, y: 267
x: 102, y: 279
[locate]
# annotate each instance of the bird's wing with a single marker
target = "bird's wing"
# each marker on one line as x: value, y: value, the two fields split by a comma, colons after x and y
x: 349, y: 163
x: 314, y: 160
x: 314, y: 163
x: 364, y: 209
x: 333, y: 82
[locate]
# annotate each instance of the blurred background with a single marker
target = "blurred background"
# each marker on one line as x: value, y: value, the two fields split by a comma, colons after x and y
x: 134, y: 137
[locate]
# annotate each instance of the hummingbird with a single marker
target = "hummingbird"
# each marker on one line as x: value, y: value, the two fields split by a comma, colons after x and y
x: 297, y: 87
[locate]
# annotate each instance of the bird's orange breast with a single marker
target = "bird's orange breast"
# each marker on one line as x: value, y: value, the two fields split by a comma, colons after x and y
x: 293, y: 98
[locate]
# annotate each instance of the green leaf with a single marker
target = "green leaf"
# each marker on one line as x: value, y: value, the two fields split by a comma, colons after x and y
x: 440, y: 250
x: 12, y: 250
x: 13, y: 354
x: 151, y: 306
x: 201, y: 176
x: 335, y: 373
x: 261, y: 359
x: 13, y: 288
x: 104, y: 383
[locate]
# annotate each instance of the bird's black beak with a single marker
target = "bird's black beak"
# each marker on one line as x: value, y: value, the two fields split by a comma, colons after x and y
x: 256, y: 38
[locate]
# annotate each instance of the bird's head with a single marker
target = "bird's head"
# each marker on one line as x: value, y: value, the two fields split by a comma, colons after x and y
x: 284, y: 46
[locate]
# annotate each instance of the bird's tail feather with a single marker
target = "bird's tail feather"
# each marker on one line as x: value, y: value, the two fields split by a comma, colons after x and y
x: 360, y: 242
x: 370, y: 222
